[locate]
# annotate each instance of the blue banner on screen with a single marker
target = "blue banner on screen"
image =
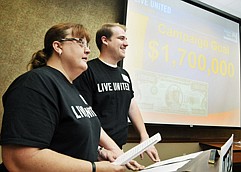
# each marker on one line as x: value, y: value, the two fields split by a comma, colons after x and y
x: 184, y: 63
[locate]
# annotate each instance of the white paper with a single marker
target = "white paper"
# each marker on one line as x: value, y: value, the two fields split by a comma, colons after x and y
x: 167, y: 168
x: 172, y: 164
x: 137, y: 150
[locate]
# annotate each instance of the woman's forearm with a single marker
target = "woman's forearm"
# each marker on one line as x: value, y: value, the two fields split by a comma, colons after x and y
x: 26, y: 159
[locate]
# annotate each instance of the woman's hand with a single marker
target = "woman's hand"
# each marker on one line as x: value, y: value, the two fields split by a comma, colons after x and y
x: 104, y: 166
x: 134, y: 166
x: 107, y: 155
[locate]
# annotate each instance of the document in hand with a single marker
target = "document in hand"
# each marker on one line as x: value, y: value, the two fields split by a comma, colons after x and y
x: 137, y: 150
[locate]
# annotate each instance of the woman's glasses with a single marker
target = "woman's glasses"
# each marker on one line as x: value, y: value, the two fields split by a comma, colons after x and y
x: 78, y: 40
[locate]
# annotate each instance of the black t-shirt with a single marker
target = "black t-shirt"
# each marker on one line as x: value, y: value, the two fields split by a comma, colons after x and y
x: 109, y: 91
x: 43, y: 109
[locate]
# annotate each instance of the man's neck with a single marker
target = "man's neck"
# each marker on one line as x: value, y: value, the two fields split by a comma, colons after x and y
x: 108, y: 62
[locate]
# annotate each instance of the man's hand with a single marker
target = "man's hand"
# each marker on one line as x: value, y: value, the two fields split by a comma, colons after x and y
x: 152, y: 153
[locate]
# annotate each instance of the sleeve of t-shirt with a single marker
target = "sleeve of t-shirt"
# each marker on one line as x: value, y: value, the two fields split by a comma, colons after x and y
x: 29, y: 118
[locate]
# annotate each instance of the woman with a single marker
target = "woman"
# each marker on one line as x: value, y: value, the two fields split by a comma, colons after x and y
x: 47, y: 125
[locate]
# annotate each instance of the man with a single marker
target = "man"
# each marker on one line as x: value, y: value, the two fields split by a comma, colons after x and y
x: 108, y: 88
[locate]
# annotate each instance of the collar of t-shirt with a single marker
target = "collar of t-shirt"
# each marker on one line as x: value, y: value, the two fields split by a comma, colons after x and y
x: 111, y: 65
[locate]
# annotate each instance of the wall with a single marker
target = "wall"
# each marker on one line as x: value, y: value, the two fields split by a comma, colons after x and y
x: 24, y: 23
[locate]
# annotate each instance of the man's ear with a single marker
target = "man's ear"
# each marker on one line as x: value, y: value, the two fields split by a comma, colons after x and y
x: 104, y: 40
x: 57, y: 46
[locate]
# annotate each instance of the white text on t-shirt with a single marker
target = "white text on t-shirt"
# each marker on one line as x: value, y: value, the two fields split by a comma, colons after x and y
x: 83, y: 112
x: 115, y: 86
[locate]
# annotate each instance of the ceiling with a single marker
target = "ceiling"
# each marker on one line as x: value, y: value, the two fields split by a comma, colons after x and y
x: 232, y: 7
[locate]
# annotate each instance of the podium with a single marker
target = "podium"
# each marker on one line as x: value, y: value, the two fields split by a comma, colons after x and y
x: 236, y: 152
x: 205, y: 161
x: 197, y: 164
x: 200, y: 164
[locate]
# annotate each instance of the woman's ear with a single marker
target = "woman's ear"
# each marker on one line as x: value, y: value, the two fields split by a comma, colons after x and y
x: 57, y: 46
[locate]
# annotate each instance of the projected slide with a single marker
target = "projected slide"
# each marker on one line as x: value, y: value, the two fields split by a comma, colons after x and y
x: 184, y: 63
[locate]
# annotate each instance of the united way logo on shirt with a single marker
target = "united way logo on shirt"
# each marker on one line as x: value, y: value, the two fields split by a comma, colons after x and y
x: 125, y: 78
x: 83, y: 99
